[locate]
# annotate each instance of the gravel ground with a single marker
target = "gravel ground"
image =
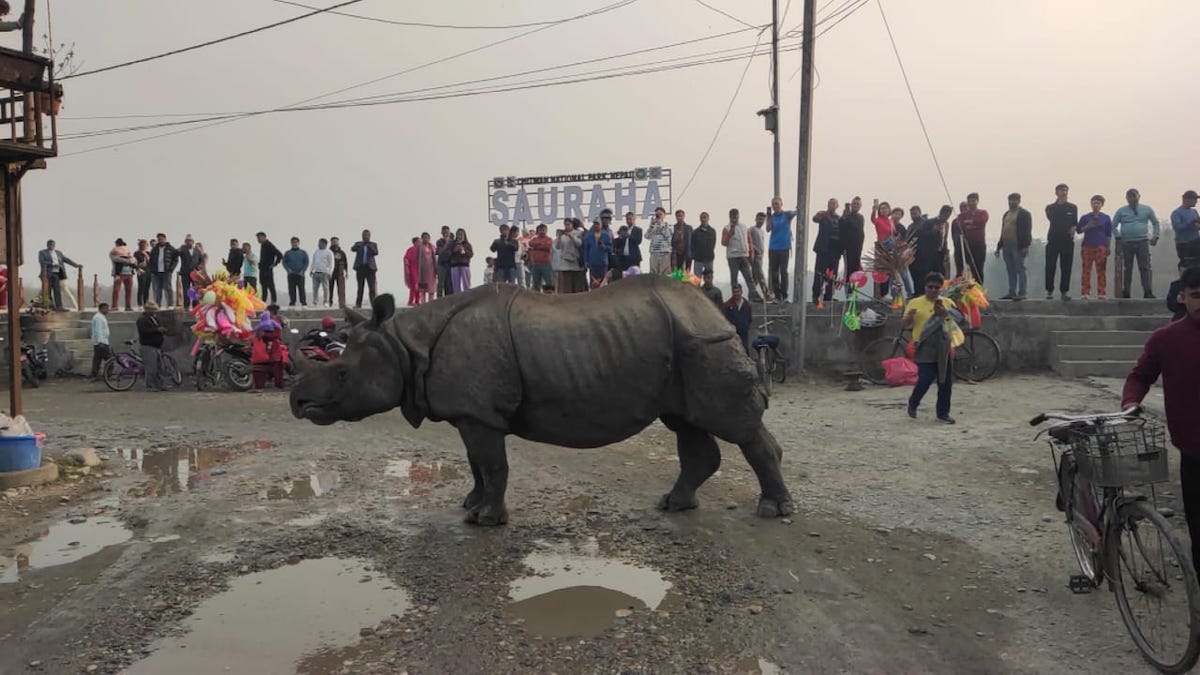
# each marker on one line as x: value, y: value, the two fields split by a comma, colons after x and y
x: 916, y: 547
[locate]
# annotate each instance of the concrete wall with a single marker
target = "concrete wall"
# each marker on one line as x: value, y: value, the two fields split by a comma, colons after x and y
x: 1023, y: 330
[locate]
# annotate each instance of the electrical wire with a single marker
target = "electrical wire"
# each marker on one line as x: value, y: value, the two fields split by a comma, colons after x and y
x: 456, y: 84
x: 725, y: 14
x: 913, y: 98
x: 228, y: 120
x: 209, y: 43
x: 422, y: 24
x: 733, y: 99
x: 407, y: 97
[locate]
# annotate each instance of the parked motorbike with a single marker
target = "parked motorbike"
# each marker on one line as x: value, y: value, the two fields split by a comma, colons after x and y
x: 318, y: 345
x: 33, y: 362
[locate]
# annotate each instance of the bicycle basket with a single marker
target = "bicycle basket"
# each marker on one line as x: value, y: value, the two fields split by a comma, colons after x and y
x: 771, y: 341
x: 1123, y: 453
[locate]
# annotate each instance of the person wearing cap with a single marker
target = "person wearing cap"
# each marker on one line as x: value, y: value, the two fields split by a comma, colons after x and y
x: 1186, y: 223
x: 124, y: 267
x: 1132, y: 227
x: 150, y: 342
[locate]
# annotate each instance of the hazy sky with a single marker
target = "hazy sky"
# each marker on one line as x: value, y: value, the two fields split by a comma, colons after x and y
x: 1017, y: 96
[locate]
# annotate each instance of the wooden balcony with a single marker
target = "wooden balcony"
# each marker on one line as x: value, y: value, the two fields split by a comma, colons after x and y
x: 28, y: 107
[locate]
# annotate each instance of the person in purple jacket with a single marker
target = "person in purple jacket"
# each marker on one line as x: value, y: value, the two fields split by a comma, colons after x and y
x: 1097, y: 230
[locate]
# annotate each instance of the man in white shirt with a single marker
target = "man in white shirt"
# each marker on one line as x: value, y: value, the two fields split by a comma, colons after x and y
x: 736, y: 239
x: 101, y: 351
x: 322, y: 267
x: 659, y: 235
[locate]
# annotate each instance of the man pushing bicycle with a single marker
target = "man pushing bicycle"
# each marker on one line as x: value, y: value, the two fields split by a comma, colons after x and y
x: 1173, y: 352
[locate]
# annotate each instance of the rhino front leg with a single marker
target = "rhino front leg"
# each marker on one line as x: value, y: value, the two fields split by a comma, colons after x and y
x: 764, y: 454
x: 699, y: 458
x: 489, y: 465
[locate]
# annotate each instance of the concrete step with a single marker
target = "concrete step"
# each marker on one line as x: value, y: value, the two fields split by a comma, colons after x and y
x: 1100, y: 337
x: 1095, y: 323
x: 1117, y: 369
x: 1123, y: 353
x: 1077, y: 307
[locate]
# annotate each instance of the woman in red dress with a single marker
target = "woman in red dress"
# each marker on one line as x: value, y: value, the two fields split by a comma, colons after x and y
x: 411, y: 269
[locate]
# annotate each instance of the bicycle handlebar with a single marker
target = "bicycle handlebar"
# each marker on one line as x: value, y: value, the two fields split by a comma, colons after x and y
x: 1132, y: 412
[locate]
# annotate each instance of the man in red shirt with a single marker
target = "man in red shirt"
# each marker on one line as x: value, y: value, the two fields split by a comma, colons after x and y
x: 540, y: 248
x: 1172, y: 353
x: 970, y: 239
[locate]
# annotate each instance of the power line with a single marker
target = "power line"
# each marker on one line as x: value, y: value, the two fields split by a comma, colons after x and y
x: 407, y: 97
x: 559, y: 66
x: 728, y: 109
x: 209, y: 43
x: 594, y: 12
x: 422, y: 24
x: 913, y: 98
x: 725, y: 14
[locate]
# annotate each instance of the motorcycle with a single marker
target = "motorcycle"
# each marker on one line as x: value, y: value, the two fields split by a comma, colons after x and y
x: 317, y: 345
x: 33, y: 364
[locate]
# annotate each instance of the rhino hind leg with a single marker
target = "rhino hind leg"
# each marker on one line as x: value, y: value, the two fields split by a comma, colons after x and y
x: 475, y: 497
x: 764, y: 454
x: 699, y: 458
x: 489, y: 465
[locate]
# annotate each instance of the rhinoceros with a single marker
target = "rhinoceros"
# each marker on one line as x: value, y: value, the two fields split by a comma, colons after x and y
x: 580, y: 371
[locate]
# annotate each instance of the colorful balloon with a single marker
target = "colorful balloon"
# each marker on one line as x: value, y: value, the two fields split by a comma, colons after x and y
x: 858, y: 278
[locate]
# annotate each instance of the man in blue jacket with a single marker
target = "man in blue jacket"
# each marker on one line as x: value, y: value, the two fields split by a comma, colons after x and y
x: 295, y: 262
x: 597, y: 245
x: 54, y: 270
x: 1186, y: 223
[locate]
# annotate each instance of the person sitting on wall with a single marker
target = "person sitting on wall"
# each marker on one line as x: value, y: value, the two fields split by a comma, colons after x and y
x: 9, y: 26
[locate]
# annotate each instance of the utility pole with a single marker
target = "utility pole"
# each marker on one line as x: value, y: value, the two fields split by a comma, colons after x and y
x: 799, y: 298
x: 771, y: 115
x: 775, y: 86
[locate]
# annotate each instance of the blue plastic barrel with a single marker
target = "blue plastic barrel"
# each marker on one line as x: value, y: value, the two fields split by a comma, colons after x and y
x: 19, y: 453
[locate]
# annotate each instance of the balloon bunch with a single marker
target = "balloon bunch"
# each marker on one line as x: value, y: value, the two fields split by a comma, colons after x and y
x: 223, y: 310
x: 969, y: 296
x: 686, y: 277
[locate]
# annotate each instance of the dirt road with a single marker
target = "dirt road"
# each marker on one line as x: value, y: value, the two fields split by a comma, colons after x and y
x: 230, y: 537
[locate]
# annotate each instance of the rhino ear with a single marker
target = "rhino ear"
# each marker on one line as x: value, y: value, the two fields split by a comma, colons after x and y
x: 353, y: 317
x: 382, y: 308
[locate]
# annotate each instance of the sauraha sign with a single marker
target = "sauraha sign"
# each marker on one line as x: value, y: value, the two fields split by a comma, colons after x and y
x: 548, y: 199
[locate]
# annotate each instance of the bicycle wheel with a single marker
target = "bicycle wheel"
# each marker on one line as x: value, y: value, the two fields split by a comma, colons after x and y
x: 170, y: 370
x: 779, y: 369
x: 238, y: 374
x: 118, y: 376
x: 872, y: 358
x: 1082, y: 511
x: 764, y: 369
x: 1155, y: 584
x: 978, y: 358
x: 207, y: 375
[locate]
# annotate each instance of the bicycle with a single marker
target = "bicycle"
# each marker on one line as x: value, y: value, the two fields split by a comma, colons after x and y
x: 772, y: 365
x: 1120, y: 536
x: 122, y: 370
x: 975, y: 360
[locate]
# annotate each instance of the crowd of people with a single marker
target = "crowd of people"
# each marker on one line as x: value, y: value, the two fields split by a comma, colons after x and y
x: 578, y: 258
x: 955, y: 245
x: 149, y: 270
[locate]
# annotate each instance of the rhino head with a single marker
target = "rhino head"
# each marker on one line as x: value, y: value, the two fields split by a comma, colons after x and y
x: 367, y: 379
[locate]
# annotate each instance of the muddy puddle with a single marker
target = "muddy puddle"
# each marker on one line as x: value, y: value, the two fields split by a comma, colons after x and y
x: 175, y: 470
x: 268, y: 622
x: 66, y: 541
x: 417, y: 477
x: 303, y: 487
x: 575, y: 591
